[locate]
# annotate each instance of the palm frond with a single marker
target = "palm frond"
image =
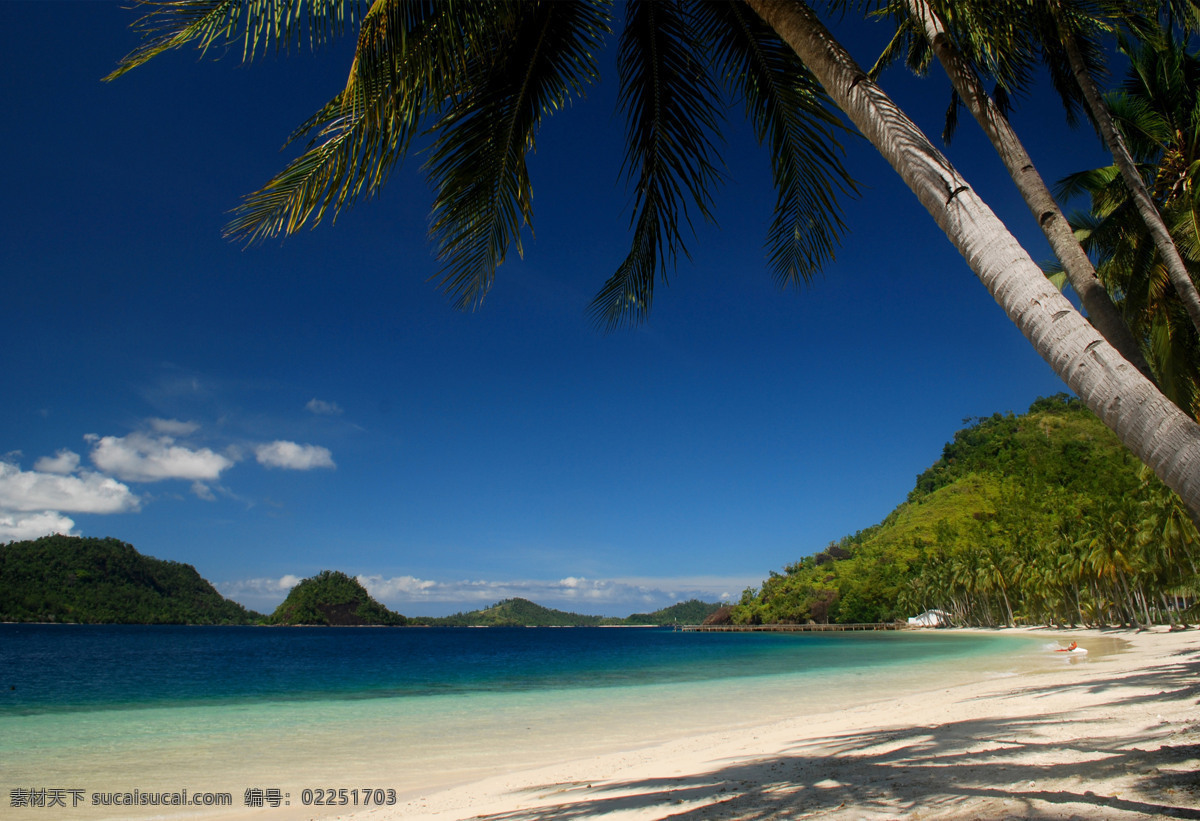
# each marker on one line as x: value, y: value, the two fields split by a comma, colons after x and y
x: 542, y: 57
x: 672, y: 123
x: 896, y: 48
x: 1084, y: 23
x: 793, y: 117
x: 258, y: 24
x: 1057, y: 275
x: 994, y: 37
x: 1146, y: 133
x: 951, y: 123
x: 1092, y: 183
x: 410, y: 57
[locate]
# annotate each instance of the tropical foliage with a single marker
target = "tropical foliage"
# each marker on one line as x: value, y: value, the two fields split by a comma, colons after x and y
x: 1032, y: 519
x: 331, y: 598
x: 1158, y: 113
x: 105, y: 581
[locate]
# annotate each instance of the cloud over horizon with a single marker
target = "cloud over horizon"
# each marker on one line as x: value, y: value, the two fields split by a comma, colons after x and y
x: 89, y: 492
x: 17, y: 528
x: 32, y: 503
x: 595, y: 596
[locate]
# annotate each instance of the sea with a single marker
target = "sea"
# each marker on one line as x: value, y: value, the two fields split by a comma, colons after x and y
x: 142, y: 722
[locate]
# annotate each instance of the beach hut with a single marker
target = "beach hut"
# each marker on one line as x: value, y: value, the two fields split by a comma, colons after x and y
x: 930, y: 618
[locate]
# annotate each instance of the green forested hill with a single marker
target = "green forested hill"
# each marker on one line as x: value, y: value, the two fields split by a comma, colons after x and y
x: 332, y: 598
x: 515, y: 613
x: 1030, y: 518
x: 688, y: 612
x: 105, y: 581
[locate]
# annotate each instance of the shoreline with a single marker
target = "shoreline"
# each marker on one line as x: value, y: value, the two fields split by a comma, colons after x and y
x: 1111, y: 737
x: 1010, y: 731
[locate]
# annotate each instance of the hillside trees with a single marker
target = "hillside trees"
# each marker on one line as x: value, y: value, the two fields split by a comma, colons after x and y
x: 331, y: 598
x: 105, y: 581
x: 1032, y: 519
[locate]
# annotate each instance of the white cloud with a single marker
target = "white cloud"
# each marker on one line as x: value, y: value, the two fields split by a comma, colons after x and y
x: 173, y: 427
x: 16, y: 528
x: 139, y: 457
x: 64, y: 461
x: 293, y: 456
x: 397, y: 586
x: 203, y: 491
x: 260, y: 586
x: 262, y: 594
x: 29, y: 491
x: 322, y: 408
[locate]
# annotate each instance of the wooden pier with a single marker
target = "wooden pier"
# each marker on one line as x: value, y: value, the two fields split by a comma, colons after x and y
x: 789, y: 628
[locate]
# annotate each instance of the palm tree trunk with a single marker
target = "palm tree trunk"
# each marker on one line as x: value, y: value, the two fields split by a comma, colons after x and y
x: 1079, y: 269
x: 1149, y: 424
x: 1176, y: 270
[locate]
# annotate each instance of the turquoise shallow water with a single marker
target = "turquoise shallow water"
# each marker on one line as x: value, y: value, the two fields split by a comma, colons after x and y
x: 97, y: 709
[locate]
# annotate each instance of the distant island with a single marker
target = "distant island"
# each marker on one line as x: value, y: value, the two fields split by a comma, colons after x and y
x: 519, y: 612
x: 106, y: 581
x: 78, y: 580
x: 333, y: 599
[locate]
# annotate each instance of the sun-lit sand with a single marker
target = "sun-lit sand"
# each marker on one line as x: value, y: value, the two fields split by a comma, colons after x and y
x: 1114, y: 736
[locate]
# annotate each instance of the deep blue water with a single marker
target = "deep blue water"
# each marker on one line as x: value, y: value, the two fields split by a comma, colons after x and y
x: 52, y: 668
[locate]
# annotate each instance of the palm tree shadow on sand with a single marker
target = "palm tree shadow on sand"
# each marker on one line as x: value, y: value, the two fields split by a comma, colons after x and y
x: 985, y: 768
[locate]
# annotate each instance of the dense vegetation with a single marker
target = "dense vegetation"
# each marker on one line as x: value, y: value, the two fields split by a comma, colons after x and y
x: 105, y: 581
x: 692, y: 611
x: 334, y: 599
x: 1032, y: 519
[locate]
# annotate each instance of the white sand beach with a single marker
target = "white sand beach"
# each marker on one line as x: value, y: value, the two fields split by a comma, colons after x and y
x: 1115, y: 736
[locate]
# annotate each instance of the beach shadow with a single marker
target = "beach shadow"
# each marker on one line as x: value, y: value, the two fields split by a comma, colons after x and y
x: 995, y: 767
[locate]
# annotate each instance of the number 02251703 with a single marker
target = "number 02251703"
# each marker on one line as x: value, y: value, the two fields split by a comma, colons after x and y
x: 365, y: 796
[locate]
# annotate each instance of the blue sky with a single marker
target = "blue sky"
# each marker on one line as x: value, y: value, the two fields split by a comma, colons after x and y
x: 266, y: 413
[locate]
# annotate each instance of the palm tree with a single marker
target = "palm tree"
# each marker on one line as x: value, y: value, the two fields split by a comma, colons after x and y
x: 1158, y: 113
x: 1072, y: 28
x: 922, y: 32
x: 487, y: 73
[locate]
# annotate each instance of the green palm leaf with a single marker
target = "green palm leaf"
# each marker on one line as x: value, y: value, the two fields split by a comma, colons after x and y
x: 409, y: 59
x: 542, y: 57
x: 672, y: 122
x: 792, y: 115
x: 258, y: 24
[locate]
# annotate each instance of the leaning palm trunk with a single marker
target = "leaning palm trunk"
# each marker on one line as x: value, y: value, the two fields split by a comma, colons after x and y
x: 1176, y: 270
x: 1079, y: 269
x: 1149, y: 424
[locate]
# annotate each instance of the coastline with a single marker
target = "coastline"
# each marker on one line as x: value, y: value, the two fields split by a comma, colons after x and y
x: 1012, y: 730
x: 1112, y: 737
